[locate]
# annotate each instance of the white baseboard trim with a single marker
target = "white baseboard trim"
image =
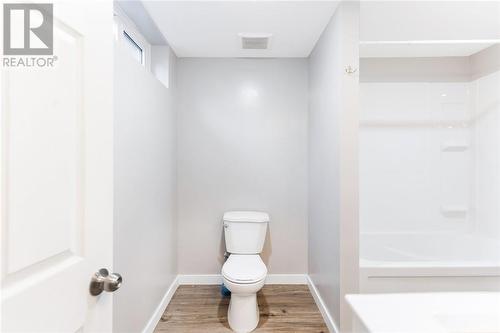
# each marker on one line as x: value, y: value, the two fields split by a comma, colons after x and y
x: 329, y: 321
x: 155, y: 318
x: 217, y: 279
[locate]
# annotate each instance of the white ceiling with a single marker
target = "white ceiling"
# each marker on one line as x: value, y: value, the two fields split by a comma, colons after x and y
x: 387, y: 28
x: 427, y: 28
x: 211, y: 28
x: 429, y: 20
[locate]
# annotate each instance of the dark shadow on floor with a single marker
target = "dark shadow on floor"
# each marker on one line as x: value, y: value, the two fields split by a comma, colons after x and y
x: 222, y: 310
x: 263, y: 309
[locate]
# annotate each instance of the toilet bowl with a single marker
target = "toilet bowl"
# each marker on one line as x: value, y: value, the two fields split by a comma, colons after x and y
x: 244, y: 272
x: 244, y: 275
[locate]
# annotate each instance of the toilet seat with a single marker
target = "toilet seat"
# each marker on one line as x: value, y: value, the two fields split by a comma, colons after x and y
x: 244, y: 268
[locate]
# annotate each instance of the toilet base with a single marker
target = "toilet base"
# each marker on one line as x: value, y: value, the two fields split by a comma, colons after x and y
x: 243, y: 313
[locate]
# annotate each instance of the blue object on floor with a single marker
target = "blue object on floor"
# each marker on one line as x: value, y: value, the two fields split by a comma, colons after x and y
x: 224, y: 291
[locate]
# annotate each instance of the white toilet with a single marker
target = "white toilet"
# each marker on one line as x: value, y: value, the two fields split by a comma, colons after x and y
x: 244, y: 272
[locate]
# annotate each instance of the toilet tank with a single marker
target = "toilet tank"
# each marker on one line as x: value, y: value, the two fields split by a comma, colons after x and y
x: 245, y: 231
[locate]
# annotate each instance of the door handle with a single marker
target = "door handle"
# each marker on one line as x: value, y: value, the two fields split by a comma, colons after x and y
x: 104, y: 281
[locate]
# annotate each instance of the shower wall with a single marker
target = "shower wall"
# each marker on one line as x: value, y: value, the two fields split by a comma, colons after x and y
x: 416, y: 159
x: 485, y: 132
x: 429, y: 173
x: 429, y: 144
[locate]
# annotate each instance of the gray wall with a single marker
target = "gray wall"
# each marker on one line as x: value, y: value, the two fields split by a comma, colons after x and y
x: 145, y: 190
x: 242, y: 145
x: 333, y: 135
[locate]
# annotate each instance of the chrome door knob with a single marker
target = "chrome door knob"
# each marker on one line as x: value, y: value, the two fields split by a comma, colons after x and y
x: 104, y: 281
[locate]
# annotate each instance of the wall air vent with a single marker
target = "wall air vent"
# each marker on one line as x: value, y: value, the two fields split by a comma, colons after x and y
x: 255, y: 41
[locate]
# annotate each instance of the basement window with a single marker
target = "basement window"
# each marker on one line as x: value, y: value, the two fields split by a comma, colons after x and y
x: 130, y: 40
x: 134, y: 48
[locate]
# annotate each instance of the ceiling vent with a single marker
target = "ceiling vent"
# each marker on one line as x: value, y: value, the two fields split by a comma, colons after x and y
x: 255, y: 41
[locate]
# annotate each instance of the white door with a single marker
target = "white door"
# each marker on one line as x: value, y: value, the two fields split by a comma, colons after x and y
x: 56, y: 180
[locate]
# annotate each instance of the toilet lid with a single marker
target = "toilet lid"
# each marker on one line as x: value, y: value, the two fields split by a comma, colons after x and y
x: 244, y: 268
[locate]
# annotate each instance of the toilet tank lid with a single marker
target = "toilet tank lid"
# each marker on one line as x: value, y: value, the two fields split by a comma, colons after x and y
x: 246, y: 216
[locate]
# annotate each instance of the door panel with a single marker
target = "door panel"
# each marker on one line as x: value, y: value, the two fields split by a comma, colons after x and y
x: 45, y: 130
x: 57, y: 178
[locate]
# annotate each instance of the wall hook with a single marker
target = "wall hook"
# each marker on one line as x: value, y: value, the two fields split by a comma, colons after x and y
x: 350, y: 70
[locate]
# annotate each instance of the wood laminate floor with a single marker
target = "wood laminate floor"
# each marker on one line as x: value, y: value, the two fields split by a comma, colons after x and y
x: 283, y: 308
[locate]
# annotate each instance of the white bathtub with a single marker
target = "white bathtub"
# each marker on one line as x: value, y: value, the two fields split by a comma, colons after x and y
x: 406, y: 262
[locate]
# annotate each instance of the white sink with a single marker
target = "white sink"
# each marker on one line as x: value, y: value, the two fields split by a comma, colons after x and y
x: 469, y: 323
x: 467, y: 312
